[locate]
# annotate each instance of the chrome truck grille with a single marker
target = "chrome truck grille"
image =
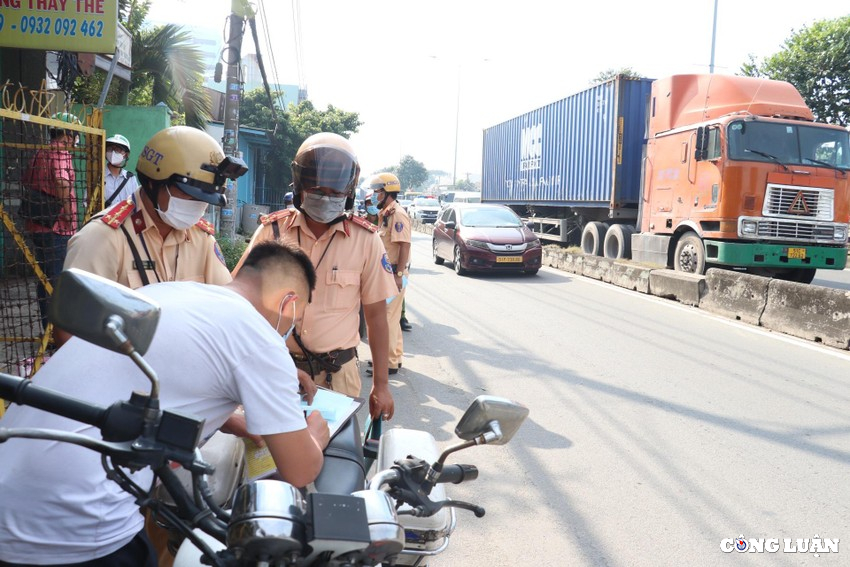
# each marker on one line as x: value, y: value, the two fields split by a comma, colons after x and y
x: 795, y: 214
x: 799, y: 202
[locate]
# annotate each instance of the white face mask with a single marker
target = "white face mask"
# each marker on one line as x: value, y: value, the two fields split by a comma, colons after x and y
x: 322, y: 208
x: 280, y: 316
x: 116, y: 159
x: 182, y: 213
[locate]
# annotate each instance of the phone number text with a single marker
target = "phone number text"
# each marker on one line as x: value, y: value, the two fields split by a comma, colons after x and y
x: 40, y: 26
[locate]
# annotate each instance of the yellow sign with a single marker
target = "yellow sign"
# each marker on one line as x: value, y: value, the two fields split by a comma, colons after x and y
x: 87, y: 26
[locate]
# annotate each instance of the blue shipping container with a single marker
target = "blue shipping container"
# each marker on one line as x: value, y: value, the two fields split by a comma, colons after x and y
x: 582, y: 151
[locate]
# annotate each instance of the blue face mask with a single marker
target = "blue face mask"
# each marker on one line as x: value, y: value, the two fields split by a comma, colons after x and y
x: 372, y: 209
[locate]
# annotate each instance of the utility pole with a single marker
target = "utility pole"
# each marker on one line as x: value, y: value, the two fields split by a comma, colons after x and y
x: 232, y: 55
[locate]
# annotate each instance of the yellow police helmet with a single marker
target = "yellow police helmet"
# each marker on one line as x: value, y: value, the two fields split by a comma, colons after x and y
x: 386, y: 182
x: 325, y: 160
x: 190, y: 159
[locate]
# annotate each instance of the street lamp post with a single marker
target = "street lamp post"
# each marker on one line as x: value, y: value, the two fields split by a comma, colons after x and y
x: 457, y: 127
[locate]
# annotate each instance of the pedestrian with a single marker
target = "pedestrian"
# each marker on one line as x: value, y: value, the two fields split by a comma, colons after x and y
x: 119, y: 184
x: 51, y: 173
x: 394, y: 228
x: 351, y: 266
x: 158, y: 235
x: 216, y: 348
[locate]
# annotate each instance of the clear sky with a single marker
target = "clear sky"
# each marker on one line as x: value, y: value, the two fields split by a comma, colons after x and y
x: 417, y: 72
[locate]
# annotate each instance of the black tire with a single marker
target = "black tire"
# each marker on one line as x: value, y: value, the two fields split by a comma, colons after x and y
x: 690, y: 254
x: 531, y: 272
x: 437, y: 260
x: 618, y: 242
x: 459, y: 269
x: 592, y: 238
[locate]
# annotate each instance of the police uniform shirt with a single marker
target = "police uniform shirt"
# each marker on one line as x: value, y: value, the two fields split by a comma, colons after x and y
x: 351, y: 267
x: 101, y: 247
x: 394, y: 229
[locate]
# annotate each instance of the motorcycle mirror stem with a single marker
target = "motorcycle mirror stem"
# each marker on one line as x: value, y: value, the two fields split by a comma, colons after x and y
x: 494, y: 433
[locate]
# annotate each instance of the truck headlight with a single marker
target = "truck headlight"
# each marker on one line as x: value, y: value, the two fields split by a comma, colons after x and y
x: 749, y: 227
x: 840, y: 233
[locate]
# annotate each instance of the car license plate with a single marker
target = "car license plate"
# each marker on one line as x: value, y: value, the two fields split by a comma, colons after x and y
x: 796, y: 253
x: 508, y: 259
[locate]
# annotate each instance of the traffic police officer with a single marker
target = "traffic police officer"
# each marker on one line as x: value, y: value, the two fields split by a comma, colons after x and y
x: 394, y: 229
x: 351, y: 265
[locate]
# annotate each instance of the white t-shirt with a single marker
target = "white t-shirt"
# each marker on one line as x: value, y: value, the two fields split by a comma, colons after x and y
x: 212, y: 351
x: 111, y: 183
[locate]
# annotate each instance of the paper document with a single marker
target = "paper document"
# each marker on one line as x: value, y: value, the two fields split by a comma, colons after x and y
x: 336, y: 408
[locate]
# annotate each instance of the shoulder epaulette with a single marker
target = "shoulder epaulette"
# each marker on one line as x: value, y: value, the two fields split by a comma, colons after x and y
x: 206, y: 226
x: 276, y: 216
x: 115, y: 216
x: 360, y: 221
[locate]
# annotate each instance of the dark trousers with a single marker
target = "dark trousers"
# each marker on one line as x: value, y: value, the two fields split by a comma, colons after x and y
x: 138, y: 553
x: 50, y: 251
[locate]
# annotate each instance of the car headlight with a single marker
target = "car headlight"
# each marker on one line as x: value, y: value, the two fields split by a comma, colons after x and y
x: 477, y: 244
x: 749, y: 228
x: 534, y: 243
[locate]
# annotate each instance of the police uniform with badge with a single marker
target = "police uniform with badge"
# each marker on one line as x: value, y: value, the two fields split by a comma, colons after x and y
x: 394, y: 228
x: 351, y: 266
x: 157, y: 234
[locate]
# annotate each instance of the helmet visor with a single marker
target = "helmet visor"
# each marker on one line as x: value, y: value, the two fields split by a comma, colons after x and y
x: 325, y: 168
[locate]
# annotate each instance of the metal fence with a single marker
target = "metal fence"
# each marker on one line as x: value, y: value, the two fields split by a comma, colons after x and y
x: 33, y: 158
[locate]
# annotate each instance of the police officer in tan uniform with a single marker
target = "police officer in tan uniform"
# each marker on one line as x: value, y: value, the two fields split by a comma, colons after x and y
x: 351, y: 265
x: 158, y: 235
x: 394, y: 229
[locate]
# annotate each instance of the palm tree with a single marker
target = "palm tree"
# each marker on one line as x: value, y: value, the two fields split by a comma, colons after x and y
x: 167, y: 67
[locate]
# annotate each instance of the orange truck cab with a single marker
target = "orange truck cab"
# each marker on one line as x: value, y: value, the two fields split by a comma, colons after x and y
x: 738, y: 173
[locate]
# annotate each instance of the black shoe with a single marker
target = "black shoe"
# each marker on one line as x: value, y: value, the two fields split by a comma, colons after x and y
x: 405, y: 326
x: 369, y: 364
x: 390, y: 371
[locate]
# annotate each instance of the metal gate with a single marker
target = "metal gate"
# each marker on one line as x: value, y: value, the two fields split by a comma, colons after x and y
x: 34, y: 158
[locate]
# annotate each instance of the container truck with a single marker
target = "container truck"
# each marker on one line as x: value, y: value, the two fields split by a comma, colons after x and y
x: 685, y: 172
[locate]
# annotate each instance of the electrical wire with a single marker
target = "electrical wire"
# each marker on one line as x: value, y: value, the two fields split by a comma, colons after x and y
x: 299, y: 44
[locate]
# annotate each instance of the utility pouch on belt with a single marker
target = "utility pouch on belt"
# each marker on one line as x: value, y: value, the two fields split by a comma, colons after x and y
x: 327, y: 361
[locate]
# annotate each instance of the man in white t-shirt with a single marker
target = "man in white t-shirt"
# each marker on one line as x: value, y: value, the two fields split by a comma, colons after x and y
x: 119, y: 184
x: 216, y: 347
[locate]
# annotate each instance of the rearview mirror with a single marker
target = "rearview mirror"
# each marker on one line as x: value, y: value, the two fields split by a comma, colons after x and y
x: 83, y: 304
x: 450, y: 225
x: 485, y: 410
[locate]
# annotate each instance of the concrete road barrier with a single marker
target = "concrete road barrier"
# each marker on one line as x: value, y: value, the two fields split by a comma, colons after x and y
x: 680, y: 286
x: 735, y: 295
x: 812, y: 312
x: 630, y: 276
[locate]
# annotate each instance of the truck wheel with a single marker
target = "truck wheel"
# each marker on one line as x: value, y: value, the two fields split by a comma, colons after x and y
x: 459, y: 269
x: 437, y: 260
x: 618, y: 242
x: 592, y: 238
x: 690, y: 254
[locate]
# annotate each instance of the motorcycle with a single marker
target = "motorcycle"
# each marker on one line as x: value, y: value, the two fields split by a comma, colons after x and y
x: 401, y: 516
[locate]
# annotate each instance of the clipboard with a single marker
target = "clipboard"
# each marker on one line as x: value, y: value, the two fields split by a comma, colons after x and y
x: 336, y: 408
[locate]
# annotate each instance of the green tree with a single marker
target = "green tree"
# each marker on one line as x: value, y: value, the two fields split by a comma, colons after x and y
x: 609, y: 74
x: 167, y: 68
x: 411, y: 174
x: 294, y: 125
x: 816, y: 60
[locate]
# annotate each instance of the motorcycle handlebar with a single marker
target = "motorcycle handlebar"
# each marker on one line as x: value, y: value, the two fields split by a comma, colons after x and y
x: 458, y: 473
x: 23, y: 392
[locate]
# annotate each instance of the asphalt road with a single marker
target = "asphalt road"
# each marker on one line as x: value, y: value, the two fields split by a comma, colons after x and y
x: 656, y: 430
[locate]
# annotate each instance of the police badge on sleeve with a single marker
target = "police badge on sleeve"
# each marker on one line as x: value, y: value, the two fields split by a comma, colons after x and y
x: 385, y: 262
